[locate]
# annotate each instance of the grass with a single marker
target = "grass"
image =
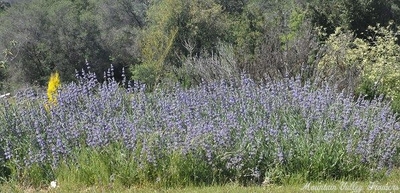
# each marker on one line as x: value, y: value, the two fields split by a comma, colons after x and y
x: 390, y: 185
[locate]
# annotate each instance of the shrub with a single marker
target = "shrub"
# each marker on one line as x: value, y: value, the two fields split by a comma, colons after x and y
x: 379, y: 57
x: 367, y: 67
x: 212, y: 67
x: 337, y: 65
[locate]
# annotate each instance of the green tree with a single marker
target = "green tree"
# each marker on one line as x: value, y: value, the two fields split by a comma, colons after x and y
x: 355, y: 15
x: 172, y: 26
x: 19, y: 25
x: 120, y: 24
x: 62, y: 35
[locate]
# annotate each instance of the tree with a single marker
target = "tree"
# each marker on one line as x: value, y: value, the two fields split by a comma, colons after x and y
x: 172, y: 24
x: 17, y: 35
x: 62, y: 35
x: 120, y: 24
x: 355, y: 15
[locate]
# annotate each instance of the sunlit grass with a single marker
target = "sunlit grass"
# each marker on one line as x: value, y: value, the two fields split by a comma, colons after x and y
x: 389, y: 184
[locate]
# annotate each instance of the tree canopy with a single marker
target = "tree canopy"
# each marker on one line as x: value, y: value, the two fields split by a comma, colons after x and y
x: 158, y: 40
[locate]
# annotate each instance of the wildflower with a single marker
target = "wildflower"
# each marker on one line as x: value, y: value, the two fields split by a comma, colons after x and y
x: 54, y: 84
x: 53, y: 184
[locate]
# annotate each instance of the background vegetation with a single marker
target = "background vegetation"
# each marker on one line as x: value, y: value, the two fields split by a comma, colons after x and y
x: 198, y: 92
x: 160, y: 42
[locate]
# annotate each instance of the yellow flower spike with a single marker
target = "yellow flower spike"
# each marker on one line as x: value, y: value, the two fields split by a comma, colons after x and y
x: 52, y: 87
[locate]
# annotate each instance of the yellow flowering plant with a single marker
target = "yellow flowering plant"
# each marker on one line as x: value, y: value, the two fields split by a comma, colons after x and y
x: 52, y: 87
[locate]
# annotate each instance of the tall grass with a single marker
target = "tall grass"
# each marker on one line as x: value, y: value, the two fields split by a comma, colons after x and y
x: 278, y: 132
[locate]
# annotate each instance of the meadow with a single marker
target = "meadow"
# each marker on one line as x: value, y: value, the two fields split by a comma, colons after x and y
x: 240, y: 132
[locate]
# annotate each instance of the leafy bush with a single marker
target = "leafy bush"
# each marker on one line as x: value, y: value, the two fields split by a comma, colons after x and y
x: 379, y: 58
x: 368, y: 67
x: 337, y: 64
x: 211, y: 134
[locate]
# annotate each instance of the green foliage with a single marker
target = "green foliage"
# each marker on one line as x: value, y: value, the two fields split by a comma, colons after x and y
x: 155, y: 38
x: 274, y: 43
x: 148, y: 74
x: 76, y: 32
x: 296, y: 21
x: 91, y: 167
x: 379, y: 58
x: 62, y: 35
x: 337, y: 66
x: 195, y: 41
x: 368, y: 67
x: 15, y: 38
x: 247, y: 30
x: 233, y: 6
x: 113, y: 165
x: 173, y: 27
x: 354, y: 15
x: 154, y: 55
x: 157, y: 41
x: 313, y: 155
x: 120, y: 23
